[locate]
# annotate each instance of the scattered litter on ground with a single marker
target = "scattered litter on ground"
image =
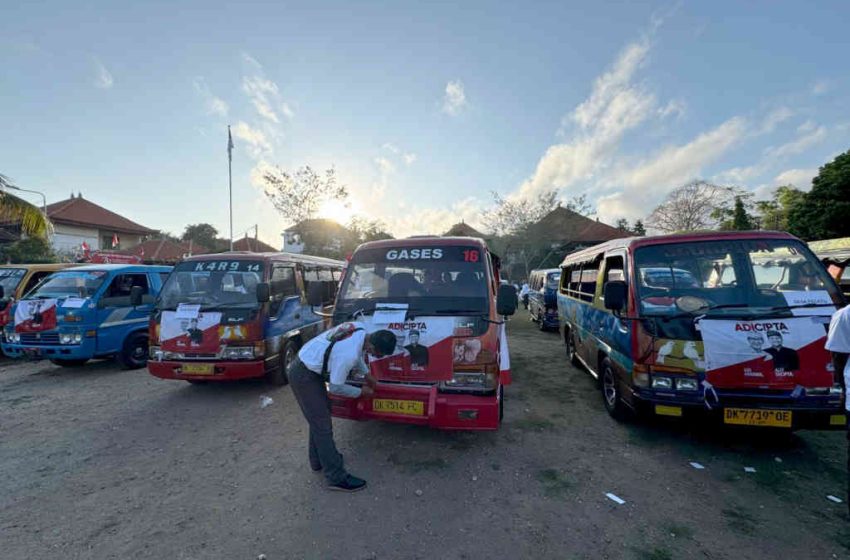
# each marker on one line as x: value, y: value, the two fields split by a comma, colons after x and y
x: 418, y: 492
x: 697, y: 466
x: 778, y: 459
x: 832, y: 498
x: 261, y: 557
x: 474, y: 478
x: 749, y: 469
x: 265, y: 401
x: 615, y: 498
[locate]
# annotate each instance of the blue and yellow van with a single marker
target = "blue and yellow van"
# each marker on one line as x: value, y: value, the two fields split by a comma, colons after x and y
x: 543, y: 297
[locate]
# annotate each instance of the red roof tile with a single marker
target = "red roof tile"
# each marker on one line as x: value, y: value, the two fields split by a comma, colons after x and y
x: 164, y: 250
x: 254, y: 245
x: 81, y: 212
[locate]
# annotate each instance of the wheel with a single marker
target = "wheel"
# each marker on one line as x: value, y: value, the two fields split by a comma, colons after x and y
x: 611, y: 392
x: 70, y: 363
x: 134, y: 355
x: 572, y: 355
x: 277, y: 376
x: 540, y: 324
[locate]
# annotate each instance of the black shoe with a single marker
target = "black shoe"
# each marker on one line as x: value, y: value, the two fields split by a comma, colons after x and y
x: 348, y: 484
x: 316, y: 469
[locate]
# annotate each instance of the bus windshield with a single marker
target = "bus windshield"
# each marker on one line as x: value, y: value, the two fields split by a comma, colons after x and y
x: 69, y: 284
x: 731, y: 275
x: 439, y: 280
x: 213, y: 284
x: 552, y: 280
x: 10, y: 278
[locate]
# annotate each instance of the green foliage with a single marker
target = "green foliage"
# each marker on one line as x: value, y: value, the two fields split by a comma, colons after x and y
x: 32, y: 221
x: 638, y: 228
x: 741, y: 220
x: 823, y: 212
x: 734, y: 212
x: 622, y: 225
x: 33, y: 250
x: 298, y: 196
x: 202, y: 234
x: 774, y: 213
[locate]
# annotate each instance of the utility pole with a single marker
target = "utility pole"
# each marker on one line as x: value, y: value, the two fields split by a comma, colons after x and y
x: 230, y: 180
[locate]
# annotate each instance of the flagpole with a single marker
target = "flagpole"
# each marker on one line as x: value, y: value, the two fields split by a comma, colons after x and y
x: 230, y: 180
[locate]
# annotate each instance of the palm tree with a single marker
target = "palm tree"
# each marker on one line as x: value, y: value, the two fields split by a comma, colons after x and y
x: 33, y: 222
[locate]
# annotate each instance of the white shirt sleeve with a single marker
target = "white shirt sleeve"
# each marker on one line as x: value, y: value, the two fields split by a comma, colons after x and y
x: 345, y: 356
x: 838, y: 339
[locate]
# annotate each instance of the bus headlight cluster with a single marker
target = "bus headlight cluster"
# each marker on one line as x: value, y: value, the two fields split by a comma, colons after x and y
x: 14, y: 337
x: 70, y: 338
x: 664, y: 383
x: 470, y: 381
x: 238, y: 353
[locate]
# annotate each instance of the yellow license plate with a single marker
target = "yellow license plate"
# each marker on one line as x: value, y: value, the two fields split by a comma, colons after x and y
x: 754, y: 417
x: 197, y: 369
x: 412, y: 408
x: 837, y: 420
x: 662, y: 410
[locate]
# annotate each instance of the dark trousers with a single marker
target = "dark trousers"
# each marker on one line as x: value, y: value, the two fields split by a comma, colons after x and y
x: 312, y: 397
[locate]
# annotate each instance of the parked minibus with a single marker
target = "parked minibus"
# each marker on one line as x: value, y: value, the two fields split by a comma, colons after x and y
x: 543, y: 297
x: 91, y: 311
x: 835, y: 255
x: 238, y: 315
x: 18, y: 279
x: 729, y: 324
x: 442, y: 298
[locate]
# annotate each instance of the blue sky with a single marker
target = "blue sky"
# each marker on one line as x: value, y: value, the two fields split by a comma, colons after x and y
x: 422, y: 108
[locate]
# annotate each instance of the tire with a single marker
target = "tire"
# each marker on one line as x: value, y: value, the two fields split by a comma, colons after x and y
x: 70, y: 363
x: 572, y: 353
x: 611, y: 397
x: 540, y: 324
x: 134, y: 354
x: 277, y: 376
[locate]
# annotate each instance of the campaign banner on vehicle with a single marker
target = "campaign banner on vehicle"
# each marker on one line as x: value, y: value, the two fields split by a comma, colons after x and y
x: 34, y: 315
x: 423, y: 350
x: 197, y: 334
x: 777, y: 352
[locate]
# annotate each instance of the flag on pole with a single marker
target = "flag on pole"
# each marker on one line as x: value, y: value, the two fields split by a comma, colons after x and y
x: 115, y: 240
x: 229, y: 144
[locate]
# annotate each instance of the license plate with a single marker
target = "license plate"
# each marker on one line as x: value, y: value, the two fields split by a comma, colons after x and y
x: 753, y: 417
x: 837, y: 420
x: 198, y: 369
x: 662, y: 410
x: 412, y: 408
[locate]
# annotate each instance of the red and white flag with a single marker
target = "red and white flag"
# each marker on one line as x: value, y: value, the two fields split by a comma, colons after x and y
x: 32, y: 315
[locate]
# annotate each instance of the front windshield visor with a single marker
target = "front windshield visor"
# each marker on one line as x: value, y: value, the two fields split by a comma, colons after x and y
x: 734, y: 275
x: 213, y: 283
x: 431, y: 279
x: 72, y: 283
x: 10, y: 278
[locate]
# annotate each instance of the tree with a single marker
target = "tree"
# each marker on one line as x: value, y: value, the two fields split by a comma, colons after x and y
x: 736, y: 217
x: 638, y: 228
x: 31, y: 220
x: 32, y: 250
x: 823, y: 212
x: 694, y: 206
x: 622, y: 225
x: 580, y: 205
x: 363, y: 229
x: 300, y: 195
x: 774, y: 213
x: 510, y: 217
x: 202, y: 234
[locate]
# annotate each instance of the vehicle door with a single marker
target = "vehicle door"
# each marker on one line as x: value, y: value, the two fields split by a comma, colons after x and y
x: 534, y: 295
x: 116, y: 316
x: 313, y: 323
x: 609, y: 329
x: 590, y: 317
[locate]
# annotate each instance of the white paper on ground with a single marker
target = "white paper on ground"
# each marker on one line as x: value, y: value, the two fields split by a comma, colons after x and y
x: 615, y: 498
x: 697, y: 466
x: 832, y: 498
x: 749, y: 469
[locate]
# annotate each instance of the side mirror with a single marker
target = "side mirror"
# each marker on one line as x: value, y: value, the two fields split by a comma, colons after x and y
x: 136, y: 293
x: 506, y: 300
x: 315, y: 294
x: 615, y: 294
x: 263, y: 292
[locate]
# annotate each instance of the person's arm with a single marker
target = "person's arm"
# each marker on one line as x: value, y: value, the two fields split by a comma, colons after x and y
x: 339, y: 367
x: 839, y: 362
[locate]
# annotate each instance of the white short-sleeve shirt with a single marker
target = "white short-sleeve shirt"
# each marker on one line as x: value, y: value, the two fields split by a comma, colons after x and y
x: 838, y: 340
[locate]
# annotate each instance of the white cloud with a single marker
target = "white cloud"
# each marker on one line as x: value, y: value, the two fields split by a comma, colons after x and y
x: 409, y: 158
x: 385, y: 166
x: 820, y: 87
x: 103, y: 79
x: 800, y: 178
x: 390, y: 147
x: 213, y: 105
x: 454, y: 100
x: 810, y: 135
x: 775, y: 118
x: 258, y: 143
x: 261, y: 92
x: 674, y: 108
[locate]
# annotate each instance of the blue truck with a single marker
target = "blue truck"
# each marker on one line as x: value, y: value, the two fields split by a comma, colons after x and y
x: 92, y: 311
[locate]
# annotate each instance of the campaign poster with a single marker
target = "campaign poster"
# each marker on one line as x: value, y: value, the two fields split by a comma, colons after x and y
x: 423, y: 350
x: 199, y: 334
x: 781, y: 353
x: 35, y: 315
x: 684, y: 354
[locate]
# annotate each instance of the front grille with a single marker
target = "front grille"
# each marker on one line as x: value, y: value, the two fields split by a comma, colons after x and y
x: 40, y: 338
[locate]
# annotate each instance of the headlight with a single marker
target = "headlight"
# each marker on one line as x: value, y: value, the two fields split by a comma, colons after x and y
x: 686, y: 384
x: 662, y: 383
x: 238, y: 353
x: 470, y: 381
x: 833, y: 391
x: 357, y: 375
x: 66, y: 338
x: 14, y: 337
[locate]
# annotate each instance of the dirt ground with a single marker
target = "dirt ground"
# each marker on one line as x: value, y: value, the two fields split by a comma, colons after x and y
x: 97, y: 462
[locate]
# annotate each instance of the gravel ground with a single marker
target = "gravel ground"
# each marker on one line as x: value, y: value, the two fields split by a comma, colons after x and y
x: 97, y: 462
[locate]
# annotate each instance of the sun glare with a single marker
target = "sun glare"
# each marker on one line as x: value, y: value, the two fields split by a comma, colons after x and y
x: 337, y: 211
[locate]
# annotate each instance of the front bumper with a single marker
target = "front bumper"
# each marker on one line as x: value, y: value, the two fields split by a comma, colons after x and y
x: 221, y: 371
x: 443, y: 411
x: 807, y: 412
x: 83, y: 351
